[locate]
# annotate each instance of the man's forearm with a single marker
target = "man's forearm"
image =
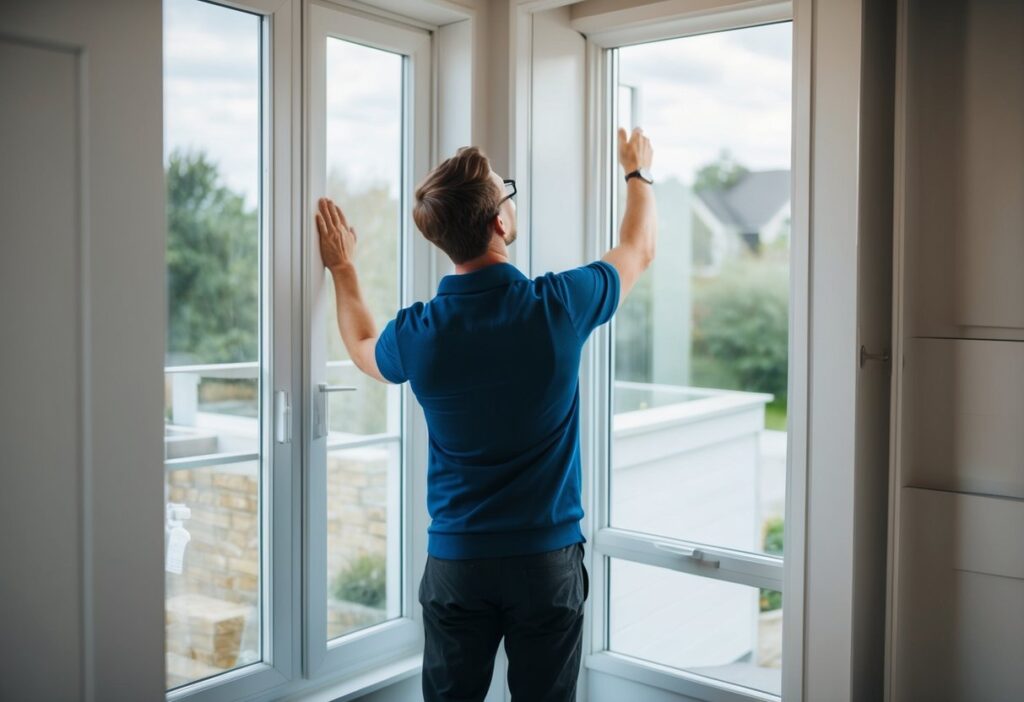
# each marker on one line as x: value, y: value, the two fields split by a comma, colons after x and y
x: 354, y: 319
x: 639, y: 222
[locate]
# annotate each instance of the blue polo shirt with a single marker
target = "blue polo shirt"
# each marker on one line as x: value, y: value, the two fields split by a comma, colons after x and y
x: 494, y: 360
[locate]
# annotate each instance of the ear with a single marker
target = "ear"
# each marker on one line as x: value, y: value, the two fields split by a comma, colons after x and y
x: 499, y: 226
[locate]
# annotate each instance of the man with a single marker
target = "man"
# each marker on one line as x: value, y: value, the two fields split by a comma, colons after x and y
x: 494, y: 361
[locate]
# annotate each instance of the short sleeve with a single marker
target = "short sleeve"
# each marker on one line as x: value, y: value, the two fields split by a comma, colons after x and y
x: 389, y: 358
x: 590, y: 295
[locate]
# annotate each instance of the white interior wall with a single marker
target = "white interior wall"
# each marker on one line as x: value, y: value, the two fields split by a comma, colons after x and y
x: 41, y: 491
x: 557, y: 175
x: 82, y: 244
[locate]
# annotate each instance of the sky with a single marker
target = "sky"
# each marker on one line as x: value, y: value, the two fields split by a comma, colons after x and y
x: 698, y: 96
x: 364, y: 102
x: 212, y: 88
x: 212, y: 98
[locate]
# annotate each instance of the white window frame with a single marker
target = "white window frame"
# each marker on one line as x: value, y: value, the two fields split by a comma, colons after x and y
x: 400, y: 637
x: 641, y: 25
x: 279, y: 348
x: 297, y: 659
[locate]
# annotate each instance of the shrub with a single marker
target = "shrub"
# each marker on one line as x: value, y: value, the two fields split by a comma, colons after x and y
x: 364, y: 581
x: 774, y: 531
x: 741, y: 324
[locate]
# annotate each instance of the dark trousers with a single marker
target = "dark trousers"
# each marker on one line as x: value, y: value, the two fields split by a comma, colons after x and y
x: 535, y: 602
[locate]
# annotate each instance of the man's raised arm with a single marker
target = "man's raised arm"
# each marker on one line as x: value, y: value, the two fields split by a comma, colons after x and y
x: 337, y: 249
x: 637, y: 234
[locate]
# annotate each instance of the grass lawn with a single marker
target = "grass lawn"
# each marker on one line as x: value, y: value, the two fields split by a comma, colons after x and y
x: 775, y: 416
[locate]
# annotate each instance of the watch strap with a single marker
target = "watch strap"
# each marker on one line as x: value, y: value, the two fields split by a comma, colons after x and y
x: 638, y: 174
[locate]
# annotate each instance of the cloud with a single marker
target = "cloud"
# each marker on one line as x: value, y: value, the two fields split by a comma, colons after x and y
x: 699, y: 95
x: 364, y: 124
x: 212, y: 98
x: 704, y: 94
x: 212, y: 88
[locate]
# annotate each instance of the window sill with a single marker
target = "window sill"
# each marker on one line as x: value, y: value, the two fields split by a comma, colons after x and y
x: 365, y: 683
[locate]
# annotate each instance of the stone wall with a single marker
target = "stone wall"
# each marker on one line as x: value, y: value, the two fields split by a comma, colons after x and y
x: 213, y: 605
x: 357, y: 501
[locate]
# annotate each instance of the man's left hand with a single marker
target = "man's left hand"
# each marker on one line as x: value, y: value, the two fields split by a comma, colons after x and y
x: 337, y: 238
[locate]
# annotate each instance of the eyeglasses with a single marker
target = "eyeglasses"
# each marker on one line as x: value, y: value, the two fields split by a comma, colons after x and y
x: 510, y: 190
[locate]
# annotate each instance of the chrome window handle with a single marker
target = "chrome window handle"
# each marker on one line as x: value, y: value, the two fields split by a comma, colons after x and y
x: 282, y: 417
x: 694, y: 554
x: 320, y: 405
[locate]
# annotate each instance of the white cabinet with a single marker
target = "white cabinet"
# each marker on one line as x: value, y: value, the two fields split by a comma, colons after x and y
x: 960, y: 633
x: 956, y: 526
x: 963, y: 420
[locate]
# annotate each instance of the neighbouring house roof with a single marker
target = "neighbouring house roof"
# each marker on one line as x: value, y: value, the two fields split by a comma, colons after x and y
x: 751, y: 203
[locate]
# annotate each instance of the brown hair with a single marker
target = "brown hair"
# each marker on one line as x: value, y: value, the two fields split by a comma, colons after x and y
x: 456, y: 204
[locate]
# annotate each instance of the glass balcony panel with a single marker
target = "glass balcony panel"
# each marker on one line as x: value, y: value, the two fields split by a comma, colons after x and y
x: 717, y: 629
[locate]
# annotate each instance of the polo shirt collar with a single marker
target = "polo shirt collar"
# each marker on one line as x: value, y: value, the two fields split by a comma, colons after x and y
x: 495, y: 275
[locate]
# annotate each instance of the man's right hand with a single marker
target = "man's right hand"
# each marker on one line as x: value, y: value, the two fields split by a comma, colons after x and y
x: 639, y: 221
x: 337, y: 238
x: 634, y: 152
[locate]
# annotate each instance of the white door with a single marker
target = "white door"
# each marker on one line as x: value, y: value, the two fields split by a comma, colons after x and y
x: 369, y: 141
x: 81, y: 231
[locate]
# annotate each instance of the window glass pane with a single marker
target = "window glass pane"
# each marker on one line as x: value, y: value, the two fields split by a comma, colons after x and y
x: 364, y: 176
x: 701, y: 344
x: 212, y: 88
x: 709, y: 627
x: 363, y: 558
x: 213, y: 605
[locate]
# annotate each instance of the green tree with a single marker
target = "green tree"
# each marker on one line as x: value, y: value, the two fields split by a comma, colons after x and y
x: 741, y: 322
x: 212, y: 266
x: 721, y: 174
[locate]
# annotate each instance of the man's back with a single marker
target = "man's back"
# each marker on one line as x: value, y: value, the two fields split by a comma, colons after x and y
x: 494, y: 361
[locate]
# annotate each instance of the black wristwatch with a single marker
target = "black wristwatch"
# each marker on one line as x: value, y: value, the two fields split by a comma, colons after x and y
x: 641, y: 173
